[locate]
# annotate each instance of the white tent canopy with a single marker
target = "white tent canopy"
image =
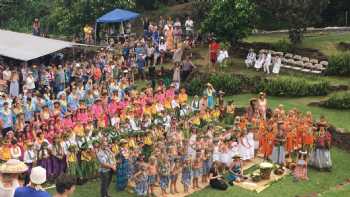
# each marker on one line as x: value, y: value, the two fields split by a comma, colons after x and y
x: 26, y: 47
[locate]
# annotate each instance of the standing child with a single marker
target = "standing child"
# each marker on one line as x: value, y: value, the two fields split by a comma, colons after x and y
x: 44, y: 159
x: 175, y: 171
x: 72, y: 163
x: 206, y: 165
x: 30, y: 159
x: 164, y: 171
x: 141, y: 181
x: 197, y: 167
x: 186, y: 174
x: 152, y: 175
x: 300, y: 171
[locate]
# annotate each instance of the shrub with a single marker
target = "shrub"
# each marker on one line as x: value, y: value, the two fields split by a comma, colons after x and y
x: 195, y: 87
x: 293, y: 87
x: 282, y: 45
x: 338, y: 101
x: 339, y: 65
x: 281, y: 86
x: 230, y: 84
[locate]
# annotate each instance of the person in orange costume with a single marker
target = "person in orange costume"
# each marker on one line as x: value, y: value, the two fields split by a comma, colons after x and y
x: 291, y: 140
x: 308, y: 138
x: 267, y: 143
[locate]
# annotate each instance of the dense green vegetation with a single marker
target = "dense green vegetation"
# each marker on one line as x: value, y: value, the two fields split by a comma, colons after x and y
x: 338, y: 101
x: 285, y: 86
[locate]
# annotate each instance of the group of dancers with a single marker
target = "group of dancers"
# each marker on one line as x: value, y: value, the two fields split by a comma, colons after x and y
x: 265, y: 60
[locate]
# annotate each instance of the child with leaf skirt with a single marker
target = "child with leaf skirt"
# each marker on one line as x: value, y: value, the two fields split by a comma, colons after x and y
x: 72, y: 163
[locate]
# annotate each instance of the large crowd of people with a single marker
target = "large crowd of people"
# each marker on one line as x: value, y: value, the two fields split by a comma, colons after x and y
x: 86, y: 118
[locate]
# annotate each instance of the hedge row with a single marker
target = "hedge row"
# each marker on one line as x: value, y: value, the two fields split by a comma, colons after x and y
x: 338, y: 101
x: 233, y: 84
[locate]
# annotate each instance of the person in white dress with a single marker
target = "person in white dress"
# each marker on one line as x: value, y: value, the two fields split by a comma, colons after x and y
x: 251, y: 142
x: 277, y: 65
x: 259, y: 63
x: 244, y: 146
x: 216, y: 150
x: 251, y: 58
x: 267, y: 63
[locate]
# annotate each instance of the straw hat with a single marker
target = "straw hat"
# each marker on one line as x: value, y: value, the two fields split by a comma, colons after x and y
x: 13, y: 166
x: 236, y: 156
x: 38, y: 175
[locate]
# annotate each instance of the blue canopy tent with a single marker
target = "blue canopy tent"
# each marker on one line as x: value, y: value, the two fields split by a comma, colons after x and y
x: 116, y: 16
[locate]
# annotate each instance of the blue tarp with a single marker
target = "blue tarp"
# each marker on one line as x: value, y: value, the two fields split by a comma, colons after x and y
x: 116, y: 16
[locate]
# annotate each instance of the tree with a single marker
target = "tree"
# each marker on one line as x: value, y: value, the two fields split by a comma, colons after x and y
x: 70, y: 16
x: 230, y: 20
x: 299, y: 14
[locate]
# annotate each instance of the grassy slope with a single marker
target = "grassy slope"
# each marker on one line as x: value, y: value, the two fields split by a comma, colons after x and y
x: 325, y: 42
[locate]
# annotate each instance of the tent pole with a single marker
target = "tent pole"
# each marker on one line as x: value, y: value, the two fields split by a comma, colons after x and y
x: 95, y: 32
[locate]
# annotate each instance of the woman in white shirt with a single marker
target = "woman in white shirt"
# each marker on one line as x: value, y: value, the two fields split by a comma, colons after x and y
x: 162, y: 49
x: 30, y: 81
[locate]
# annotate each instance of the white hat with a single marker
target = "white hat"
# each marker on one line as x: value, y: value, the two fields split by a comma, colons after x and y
x: 38, y: 175
x: 13, y: 166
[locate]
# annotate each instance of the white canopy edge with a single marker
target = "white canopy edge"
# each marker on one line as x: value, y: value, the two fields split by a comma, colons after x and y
x: 26, y: 47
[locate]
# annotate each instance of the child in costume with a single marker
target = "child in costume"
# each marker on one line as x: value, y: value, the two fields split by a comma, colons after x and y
x: 152, y: 174
x: 186, y: 174
x: 44, y: 159
x: 141, y: 181
x: 30, y: 159
x: 197, y: 170
x: 73, y: 168
x: 57, y: 157
x: 300, y: 171
x: 85, y: 162
x: 164, y: 172
x: 175, y: 171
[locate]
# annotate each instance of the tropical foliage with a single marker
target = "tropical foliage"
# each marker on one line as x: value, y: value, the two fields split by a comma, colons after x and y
x: 338, y: 101
x: 230, y: 20
x: 339, y: 65
x: 298, y: 14
x: 65, y: 17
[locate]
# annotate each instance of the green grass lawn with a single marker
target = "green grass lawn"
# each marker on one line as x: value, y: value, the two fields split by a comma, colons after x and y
x: 321, y: 182
x: 325, y: 42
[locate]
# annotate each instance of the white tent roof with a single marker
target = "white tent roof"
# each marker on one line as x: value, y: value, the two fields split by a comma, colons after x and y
x: 26, y: 47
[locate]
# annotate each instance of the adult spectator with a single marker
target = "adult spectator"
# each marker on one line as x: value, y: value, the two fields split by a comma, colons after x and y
x: 177, y: 33
x: 161, y: 23
x: 65, y: 185
x: 9, y: 176
x: 140, y: 59
x: 30, y: 81
x: 34, y: 188
x: 6, y: 116
x: 36, y: 27
x: 107, y: 166
x: 145, y: 26
x: 189, y: 26
x: 187, y: 67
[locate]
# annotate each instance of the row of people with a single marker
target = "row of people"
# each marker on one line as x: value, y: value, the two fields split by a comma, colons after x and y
x: 265, y: 60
